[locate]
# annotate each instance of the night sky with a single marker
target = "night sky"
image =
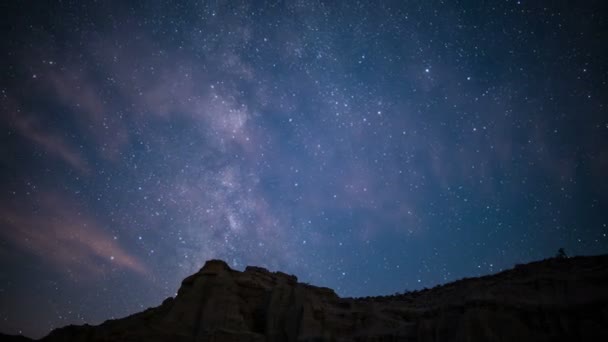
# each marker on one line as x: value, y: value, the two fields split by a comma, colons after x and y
x: 371, y: 147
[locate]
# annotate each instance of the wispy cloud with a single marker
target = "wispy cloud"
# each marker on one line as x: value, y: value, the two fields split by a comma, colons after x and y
x: 74, y: 87
x: 59, y: 233
x: 32, y: 129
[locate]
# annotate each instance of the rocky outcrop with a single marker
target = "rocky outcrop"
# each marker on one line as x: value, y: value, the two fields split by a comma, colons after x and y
x: 551, y: 300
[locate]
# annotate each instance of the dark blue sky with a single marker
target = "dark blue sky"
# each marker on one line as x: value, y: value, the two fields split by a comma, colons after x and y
x: 368, y: 147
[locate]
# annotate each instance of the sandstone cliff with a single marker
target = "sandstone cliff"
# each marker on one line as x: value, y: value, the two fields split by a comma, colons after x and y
x: 550, y: 300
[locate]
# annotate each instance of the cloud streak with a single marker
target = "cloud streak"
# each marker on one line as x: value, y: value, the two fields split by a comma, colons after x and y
x: 68, y: 239
x: 32, y: 129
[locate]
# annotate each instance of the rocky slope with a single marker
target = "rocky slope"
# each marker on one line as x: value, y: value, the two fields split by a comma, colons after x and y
x: 550, y: 300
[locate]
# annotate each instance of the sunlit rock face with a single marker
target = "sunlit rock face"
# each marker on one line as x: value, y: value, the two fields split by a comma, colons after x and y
x: 551, y: 300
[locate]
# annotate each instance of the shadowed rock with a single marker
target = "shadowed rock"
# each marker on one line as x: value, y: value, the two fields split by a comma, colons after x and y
x: 550, y: 300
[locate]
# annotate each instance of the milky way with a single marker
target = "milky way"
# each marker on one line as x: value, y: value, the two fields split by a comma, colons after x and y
x: 371, y: 148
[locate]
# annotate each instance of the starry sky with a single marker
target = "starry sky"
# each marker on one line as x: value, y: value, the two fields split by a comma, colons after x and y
x: 371, y: 147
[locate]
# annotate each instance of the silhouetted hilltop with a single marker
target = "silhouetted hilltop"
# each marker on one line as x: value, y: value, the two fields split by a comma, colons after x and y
x: 550, y: 300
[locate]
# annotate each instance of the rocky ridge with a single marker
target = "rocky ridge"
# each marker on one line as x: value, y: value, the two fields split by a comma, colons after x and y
x: 551, y: 300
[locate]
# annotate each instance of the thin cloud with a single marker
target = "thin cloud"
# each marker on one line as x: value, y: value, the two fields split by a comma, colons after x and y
x: 30, y: 128
x: 66, y: 238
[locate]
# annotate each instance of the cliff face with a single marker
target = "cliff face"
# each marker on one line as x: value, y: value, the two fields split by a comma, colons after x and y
x: 551, y: 300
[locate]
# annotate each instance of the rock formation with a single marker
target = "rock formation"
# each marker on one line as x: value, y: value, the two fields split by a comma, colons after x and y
x: 551, y: 300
